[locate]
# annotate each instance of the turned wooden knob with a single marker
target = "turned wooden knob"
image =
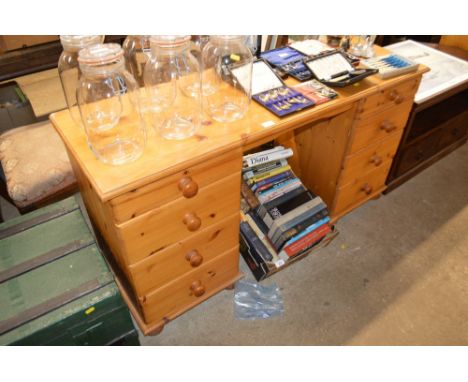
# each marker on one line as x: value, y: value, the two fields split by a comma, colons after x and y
x: 387, y: 126
x: 194, y: 258
x: 366, y: 188
x: 396, y: 97
x: 197, y: 288
x: 192, y: 221
x: 376, y: 160
x: 188, y: 186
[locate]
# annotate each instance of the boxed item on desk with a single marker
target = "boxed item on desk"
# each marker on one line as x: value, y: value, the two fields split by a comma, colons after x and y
x: 391, y: 65
x: 270, y: 91
x: 288, y: 60
x: 333, y: 69
x: 316, y: 91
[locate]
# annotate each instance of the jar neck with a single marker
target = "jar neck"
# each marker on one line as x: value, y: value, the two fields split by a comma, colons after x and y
x: 169, y: 51
x: 102, y: 70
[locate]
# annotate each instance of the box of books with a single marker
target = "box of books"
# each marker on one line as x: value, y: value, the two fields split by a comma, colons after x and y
x: 281, y: 220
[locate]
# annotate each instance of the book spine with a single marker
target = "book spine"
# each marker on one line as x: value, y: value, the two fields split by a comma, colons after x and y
x: 317, y: 207
x: 275, y: 178
x: 268, y: 174
x: 261, y: 236
x: 270, y: 195
x: 269, y: 186
x: 269, y: 157
x: 310, y: 228
x: 252, y: 258
x: 298, y: 211
x: 305, y: 242
x: 263, y: 208
x: 275, y: 187
x: 277, y: 148
x: 283, y: 208
x: 255, y: 241
x: 263, y: 168
x: 279, y: 241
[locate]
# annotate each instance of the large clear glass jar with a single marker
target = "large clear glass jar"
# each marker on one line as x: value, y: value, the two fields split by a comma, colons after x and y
x: 172, y: 82
x: 226, y: 98
x: 137, y: 52
x: 68, y: 67
x: 108, y: 98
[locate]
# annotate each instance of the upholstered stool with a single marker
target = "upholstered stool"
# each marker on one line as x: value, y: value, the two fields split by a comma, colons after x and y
x: 36, y: 166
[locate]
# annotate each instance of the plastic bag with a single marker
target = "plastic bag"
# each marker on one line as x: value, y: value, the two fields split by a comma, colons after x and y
x: 252, y: 301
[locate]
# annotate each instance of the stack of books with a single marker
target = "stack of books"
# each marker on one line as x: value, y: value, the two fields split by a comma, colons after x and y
x: 280, y: 219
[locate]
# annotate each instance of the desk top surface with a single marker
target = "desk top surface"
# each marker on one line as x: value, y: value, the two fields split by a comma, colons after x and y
x: 163, y: 157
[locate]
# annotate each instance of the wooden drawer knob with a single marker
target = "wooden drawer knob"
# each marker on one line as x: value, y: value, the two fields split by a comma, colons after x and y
x: 376, y: 160
x: 194, y: 258
x: 367, y: 188
x: 197, y: 288
x: 192, y: 221
x: 396, y: 97
x: 387, y: 126
x: 188, y: 187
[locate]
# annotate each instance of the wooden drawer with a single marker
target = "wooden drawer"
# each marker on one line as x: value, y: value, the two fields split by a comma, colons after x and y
x: 151, y: 196
x: 388, y: 98
x: 420, y: 151
x: 370, y: 158
x: 185, y: 256
x: 361, y: 188
x: 454, y: 130
x: 163, y: 226
x: 368, y: 130
x: 168, y: 302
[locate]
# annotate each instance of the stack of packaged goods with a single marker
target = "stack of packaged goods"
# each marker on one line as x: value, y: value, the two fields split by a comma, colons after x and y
x: 280, y: 219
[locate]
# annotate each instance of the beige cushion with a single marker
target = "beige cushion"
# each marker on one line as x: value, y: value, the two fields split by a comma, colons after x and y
x: 35, y: 162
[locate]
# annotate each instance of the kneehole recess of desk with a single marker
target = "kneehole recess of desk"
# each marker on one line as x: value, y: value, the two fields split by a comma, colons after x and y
x: 171, y: 218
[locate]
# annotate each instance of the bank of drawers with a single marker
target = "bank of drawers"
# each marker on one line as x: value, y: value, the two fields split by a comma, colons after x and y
x: 375, y: 136
x: 179, y: 236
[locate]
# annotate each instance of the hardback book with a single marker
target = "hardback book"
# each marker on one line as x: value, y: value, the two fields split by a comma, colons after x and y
x: 268, y: 174
x: 262, y: 158
x: 263, y: 208
x: 309, y: 229
x: 285, y: 222
x: 305, y: 242
x: 278, y: 191
x: 264, y: 168
x: 254, y: 241
x: 284, y: 208
x: 296, y: 227
x: 275, y: 178
x: 261, y: 235
x: 273, y: 184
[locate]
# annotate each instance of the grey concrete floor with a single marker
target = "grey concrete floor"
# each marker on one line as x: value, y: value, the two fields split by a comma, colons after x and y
x: 396, y: 275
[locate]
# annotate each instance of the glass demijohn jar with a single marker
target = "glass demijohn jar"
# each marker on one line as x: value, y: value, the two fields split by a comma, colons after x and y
x: 225, y: 98
x: 172, y: 83
x: 108, y: 98
x: 68, y: 68
x: 137, y: 52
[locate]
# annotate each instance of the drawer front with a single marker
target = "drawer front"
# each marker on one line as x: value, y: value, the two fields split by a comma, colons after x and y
x: 418, y: 152
x: 368, y: 130
x: 185, y: 184
x: 185, y: 256
x: 361, y: 188
x: 388, y: 98
x: 166, y: 303
x: 454, y: 130
x: 159, y: 228
x: 450, y: 110
x: 370, y: 158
